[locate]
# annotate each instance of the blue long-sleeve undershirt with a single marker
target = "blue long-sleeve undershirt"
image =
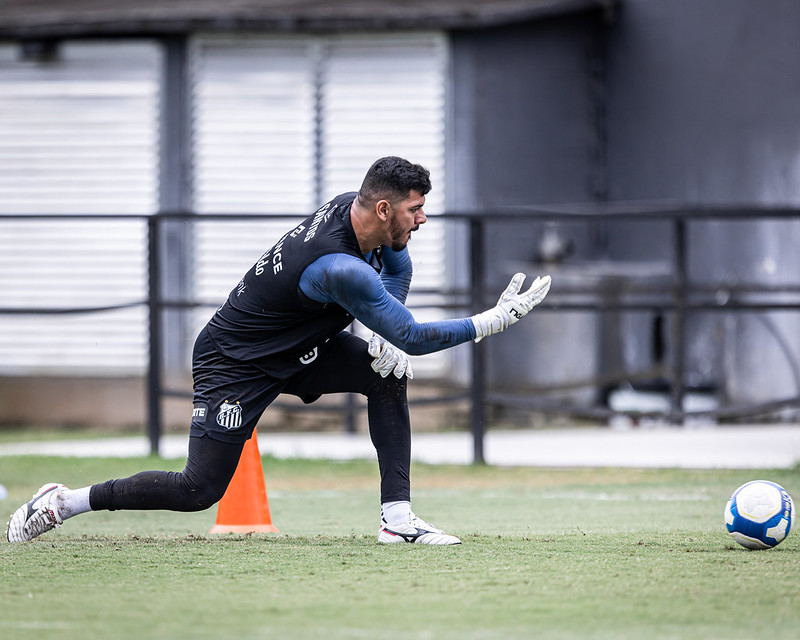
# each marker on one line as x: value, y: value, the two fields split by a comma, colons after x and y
x: 396, y: 272
x: 356, y: 287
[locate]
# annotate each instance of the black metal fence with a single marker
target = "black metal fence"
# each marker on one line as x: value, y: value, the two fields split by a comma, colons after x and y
x: 679, y: 300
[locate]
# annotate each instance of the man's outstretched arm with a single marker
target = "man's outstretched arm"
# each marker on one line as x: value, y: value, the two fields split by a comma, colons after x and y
x: 356, y: 287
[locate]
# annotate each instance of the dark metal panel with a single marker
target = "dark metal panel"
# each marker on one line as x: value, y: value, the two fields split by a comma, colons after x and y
x: 81, y: 18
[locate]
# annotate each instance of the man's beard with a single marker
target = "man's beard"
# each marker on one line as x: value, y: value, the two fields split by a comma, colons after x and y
x: 398, y: 244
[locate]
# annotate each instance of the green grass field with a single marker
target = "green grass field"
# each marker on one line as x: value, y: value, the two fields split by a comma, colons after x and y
x: 583, y: 553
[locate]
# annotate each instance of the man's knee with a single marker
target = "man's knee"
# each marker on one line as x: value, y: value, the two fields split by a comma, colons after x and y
x: 389, y: 387
x: 203, y: 495
x: 209, y: 469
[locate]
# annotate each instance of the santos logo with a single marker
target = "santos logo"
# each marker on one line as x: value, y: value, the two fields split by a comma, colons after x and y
x: 230, y: 415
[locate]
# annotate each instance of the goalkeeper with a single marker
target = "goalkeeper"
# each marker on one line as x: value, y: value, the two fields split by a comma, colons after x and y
x: 282, y: 330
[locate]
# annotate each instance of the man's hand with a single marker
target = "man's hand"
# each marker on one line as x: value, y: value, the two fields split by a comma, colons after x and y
x: 388, y: 358
x: 511, y: 306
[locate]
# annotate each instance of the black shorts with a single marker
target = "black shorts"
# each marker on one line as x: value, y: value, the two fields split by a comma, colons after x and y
x: 230, y: 396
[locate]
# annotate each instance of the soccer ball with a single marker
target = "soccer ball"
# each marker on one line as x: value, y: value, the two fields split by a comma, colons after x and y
x: 759, y: 514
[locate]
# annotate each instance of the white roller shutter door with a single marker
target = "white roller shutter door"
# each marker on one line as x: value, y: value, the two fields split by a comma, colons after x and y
x: 283, y: 124
x: 254, y: 150
x: 385, y: 95
x: 77, y: 136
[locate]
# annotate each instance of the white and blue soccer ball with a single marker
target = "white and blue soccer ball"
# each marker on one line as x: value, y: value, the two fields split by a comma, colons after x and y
x: 759, y: 514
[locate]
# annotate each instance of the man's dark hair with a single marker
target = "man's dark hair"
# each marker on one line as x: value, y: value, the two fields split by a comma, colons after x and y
x: 392, y: 178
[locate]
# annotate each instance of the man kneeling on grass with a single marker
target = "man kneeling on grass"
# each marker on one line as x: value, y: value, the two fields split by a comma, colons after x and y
x: 281, y: 330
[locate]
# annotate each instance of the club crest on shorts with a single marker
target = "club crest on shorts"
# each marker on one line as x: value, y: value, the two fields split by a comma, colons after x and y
x: 230, y: 415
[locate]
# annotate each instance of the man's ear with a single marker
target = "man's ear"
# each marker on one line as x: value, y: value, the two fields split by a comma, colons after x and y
x: 382, y: 208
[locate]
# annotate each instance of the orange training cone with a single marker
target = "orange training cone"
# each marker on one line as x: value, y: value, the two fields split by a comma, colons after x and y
x: 244, y: 508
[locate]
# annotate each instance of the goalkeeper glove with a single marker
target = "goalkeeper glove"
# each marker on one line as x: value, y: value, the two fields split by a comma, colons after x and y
x: 388, y: 358
x: 511, y: 306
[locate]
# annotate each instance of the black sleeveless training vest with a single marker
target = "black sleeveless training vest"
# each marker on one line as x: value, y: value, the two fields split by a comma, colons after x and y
x: 267, y: 317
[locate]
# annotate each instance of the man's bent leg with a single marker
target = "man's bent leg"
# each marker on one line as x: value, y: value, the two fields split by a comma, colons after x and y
x: 344, y: 366
x: 209, y: 468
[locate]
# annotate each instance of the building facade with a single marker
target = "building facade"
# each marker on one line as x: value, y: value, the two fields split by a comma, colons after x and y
x: 258, y: 109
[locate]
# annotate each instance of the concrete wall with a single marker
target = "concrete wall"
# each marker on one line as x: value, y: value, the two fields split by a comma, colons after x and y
x: 114, y: 405
x: 522, y: 113
x: 703, y: 97
x: 525, y: 132
x: 693, y: 102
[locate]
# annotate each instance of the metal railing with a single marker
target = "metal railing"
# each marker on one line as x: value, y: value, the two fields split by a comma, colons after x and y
x: 681, y: 298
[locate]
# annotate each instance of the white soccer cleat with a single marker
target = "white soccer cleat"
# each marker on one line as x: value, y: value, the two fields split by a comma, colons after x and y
x: 415, y: 531
x: 37, y: 516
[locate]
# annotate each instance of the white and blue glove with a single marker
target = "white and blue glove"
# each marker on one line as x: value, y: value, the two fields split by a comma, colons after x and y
x: 388, y: 358
x: 511, y: 306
